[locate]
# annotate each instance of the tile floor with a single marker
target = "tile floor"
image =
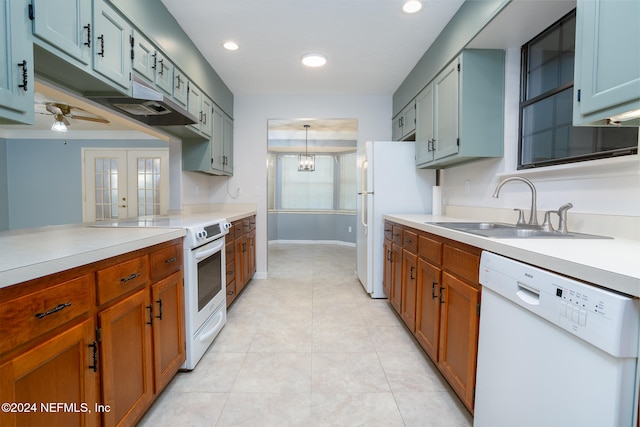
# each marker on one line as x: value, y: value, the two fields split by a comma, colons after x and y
x: 307, y: 347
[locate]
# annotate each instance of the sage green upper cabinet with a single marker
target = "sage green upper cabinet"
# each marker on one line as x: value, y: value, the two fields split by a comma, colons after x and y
x: 424, y: 125
x: 16, y: 70
x: 65, y: 25
x: 201, y: 106
x: 112, y: 44
x: 404, y: 124
x: 151, y: 64
x: 180, y: 87
x: 446, y: 103
x: 144, y: 57
x: 460, y: 113
x: 607, y: 61
x: 227, y: 144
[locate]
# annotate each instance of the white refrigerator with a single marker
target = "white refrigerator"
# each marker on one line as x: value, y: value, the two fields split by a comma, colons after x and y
x: 388, y: 183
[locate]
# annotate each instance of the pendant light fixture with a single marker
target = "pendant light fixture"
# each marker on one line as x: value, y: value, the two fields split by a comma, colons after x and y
x: 59, y: 124
x: 306, y: 161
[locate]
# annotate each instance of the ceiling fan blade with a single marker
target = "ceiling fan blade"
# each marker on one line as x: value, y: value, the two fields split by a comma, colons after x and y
x: 90, y: 119
x: 65, y: 121
x: 54, y: 109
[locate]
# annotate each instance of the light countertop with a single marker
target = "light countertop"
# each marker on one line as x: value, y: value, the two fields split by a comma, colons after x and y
x: 611, y: 263
x: 35, y: 252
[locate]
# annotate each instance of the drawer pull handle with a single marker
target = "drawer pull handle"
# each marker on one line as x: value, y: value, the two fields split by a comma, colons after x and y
x: 133, y: 276
x: 53, y: 310
x: 170, y: 260
x: 411, y: 270
x: 441, y: 293
x: 94, y: 345
x: 101, y: 38
x: 159, y: 316
x: 433, y: 290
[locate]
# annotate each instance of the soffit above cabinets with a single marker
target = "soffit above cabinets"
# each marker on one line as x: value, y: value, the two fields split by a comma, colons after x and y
x: 519, y: 22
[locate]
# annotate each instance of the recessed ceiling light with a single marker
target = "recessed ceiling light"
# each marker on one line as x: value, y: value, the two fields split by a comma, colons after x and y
x: 314, y: 59
x: 230, y: 45
x: 412, y: 6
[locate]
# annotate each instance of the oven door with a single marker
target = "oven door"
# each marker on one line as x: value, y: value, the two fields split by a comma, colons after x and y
x: 211, y: 287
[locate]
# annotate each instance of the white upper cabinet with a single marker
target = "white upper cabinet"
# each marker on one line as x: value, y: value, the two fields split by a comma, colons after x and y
x: 607, y: 67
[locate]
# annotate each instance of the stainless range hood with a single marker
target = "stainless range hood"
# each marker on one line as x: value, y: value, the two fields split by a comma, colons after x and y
x: 147, y: 105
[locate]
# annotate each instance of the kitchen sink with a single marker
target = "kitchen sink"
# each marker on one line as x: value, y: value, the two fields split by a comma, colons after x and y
x: 500, y: 230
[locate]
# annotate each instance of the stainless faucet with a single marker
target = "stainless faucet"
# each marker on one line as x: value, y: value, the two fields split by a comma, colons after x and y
x: 562, y: 214
x: 533, y: 217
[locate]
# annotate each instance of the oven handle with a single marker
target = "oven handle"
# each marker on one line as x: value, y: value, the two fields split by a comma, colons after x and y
x: 202, y: 253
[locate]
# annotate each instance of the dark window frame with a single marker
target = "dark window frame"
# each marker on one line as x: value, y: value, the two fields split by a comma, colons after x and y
x: 524, y: 103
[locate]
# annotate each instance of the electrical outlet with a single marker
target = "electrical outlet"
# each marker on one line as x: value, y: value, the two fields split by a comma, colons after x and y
x: 349, y: 229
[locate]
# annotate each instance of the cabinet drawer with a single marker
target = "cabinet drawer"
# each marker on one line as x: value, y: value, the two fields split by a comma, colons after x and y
x: 231, y: 292
x: 236, y: 229
x: 430, y: 249
x: 246, y: 225
x: 396, y: 234
x: 122, y: 278
x: 230, y: 272
x: 165, y: 261
x: 252, y: 223
x: 25, y: 318
x: 461, y: 263
x: 388, y: 230
x: 229, y: 250
x: 410, y: 241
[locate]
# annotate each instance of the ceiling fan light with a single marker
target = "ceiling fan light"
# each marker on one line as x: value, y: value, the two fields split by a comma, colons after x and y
x: 314, y: 59
x: 58, y: 126
x: 412, y: 6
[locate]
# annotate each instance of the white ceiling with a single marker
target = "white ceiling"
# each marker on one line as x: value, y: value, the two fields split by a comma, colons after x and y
x: 371, y: 45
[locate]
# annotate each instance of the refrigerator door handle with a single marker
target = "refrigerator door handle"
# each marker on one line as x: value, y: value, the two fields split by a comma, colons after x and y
x: 363, y: 210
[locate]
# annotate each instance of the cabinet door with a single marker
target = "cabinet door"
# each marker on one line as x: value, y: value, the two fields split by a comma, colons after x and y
x: 445, y: 89
x: 144, y: 57
x: 396, y: 132
x: 65, y: 25
x: 428, y: 308
x: 607, y: 71
x: 164, y: 74
x: 16, y: 69
x: 194, y: 105
x: 58, y: 370
x: 459, y: 321
x: 207, y: 113
x: 240, y: 263
x: 251, y: 249
x: 408, y: 293
x: 424, y: 126
x: 217, y: 147
x: 126, y: 357
x: 409, y: 119
x: 168, y: 328
x: 111, y: 44
x: 227, y: 143
x: 396, y: 282
x: 180, y: 87
x: 387, y: 268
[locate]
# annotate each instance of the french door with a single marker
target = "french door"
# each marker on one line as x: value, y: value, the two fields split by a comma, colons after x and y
x: 124, y: 183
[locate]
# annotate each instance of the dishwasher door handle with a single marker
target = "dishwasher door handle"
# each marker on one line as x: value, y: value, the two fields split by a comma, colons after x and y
x: 528, y: 294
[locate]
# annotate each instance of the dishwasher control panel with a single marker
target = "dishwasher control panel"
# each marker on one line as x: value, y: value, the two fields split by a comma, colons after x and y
x: 605, y: 319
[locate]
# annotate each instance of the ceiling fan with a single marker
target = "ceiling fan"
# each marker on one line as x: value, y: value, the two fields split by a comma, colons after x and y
x: 62, y: 112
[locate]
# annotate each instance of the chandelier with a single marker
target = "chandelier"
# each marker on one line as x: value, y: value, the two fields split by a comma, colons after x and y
x: 306, y: 161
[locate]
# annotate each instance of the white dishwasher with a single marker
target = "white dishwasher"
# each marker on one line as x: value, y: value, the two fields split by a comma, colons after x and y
x: 553, y: 351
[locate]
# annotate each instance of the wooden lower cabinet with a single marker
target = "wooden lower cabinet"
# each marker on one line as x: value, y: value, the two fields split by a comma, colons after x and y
x: 60, y: 370
x: 387, y: 268
x: 458, y: 347
x: 244, y: 252
x: 104, y: 339
x: 408, y: 293
x: 428, y: 304
x: 439, y: 301
x: 169, y: 349
x: 127, y: 358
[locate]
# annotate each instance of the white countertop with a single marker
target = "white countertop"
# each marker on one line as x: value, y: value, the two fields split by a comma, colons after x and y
x: 35, y: 252
x: 611, y: 263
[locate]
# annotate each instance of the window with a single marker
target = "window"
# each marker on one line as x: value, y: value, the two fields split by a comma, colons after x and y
x: 547, y: 135
x: 331, y: 187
